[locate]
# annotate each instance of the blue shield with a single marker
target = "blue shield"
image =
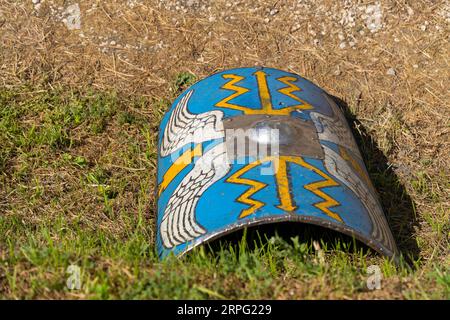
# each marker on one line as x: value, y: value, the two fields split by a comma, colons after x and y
x: 250, y: 146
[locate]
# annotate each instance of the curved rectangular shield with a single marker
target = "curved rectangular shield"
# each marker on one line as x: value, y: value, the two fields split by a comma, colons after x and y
x: 251, y: 146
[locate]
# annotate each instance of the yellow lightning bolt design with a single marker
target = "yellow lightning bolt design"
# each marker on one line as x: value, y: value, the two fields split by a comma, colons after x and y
x: 281, y: 177
x: 255, y: 187
x: 315, y: 187
x: 231, y: 85
x: 283, y: 187
x: 264, y: 95
x: 288, y: 91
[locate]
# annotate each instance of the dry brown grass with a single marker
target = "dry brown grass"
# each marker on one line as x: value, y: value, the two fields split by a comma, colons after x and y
x: 137, y: 48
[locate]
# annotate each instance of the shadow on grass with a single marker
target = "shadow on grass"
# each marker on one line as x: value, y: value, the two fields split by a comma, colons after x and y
x: 260, y: 235
x: 397, y: 204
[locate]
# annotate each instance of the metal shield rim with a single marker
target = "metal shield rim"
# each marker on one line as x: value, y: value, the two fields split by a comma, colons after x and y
x: 367, y: 240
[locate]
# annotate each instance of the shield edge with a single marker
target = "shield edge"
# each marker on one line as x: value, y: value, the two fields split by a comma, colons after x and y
x: 328, y: 224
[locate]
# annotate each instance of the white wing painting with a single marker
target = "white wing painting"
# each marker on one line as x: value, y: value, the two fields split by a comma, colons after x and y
x: 339, y: 168
x: 178, y: 224
x: 335, y: 128
x: 184, y: 127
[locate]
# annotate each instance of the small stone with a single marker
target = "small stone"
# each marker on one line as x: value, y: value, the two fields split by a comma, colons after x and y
x: 391, y: 72
x: 73, y: 17
x: 342, y: 45
x: 36, y: 1
x: 409, y: 10
x: 295, y: 27
x: 373, y: 17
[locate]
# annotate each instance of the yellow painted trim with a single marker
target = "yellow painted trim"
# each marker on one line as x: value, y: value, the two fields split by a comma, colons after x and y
x: 283, y: 186
x: 182, y: 162
x: 355, y: 165
x: 264, y: 93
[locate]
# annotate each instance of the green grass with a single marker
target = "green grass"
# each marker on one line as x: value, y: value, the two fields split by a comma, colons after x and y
x: 77, y: 182
x: 35, y: 261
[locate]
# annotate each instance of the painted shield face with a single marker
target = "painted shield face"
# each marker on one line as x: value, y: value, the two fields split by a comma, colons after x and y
x: 251, y: 146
